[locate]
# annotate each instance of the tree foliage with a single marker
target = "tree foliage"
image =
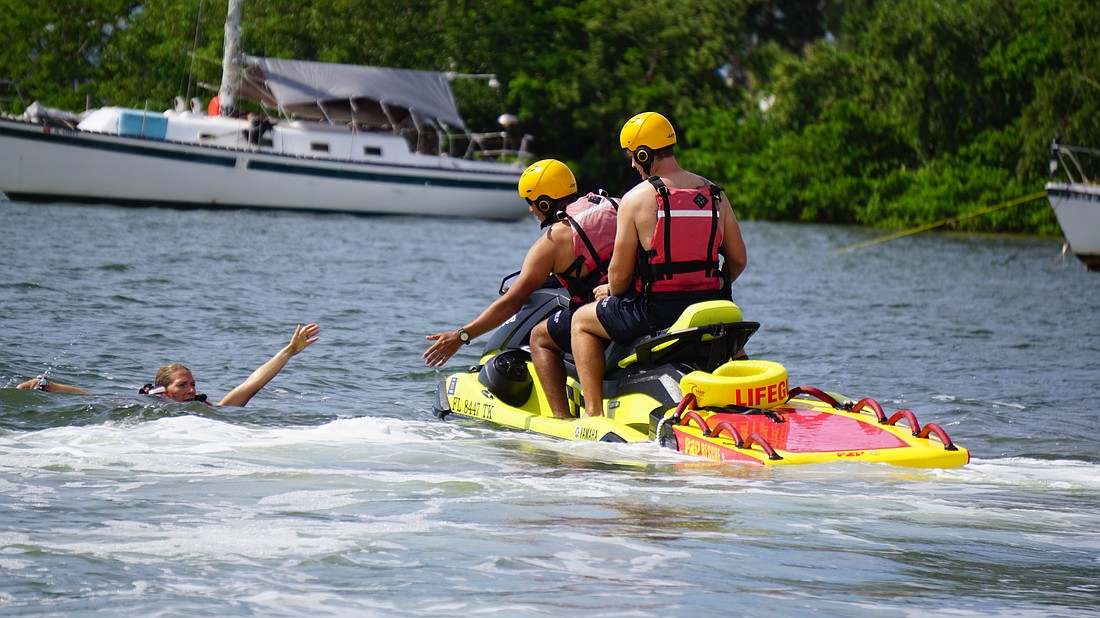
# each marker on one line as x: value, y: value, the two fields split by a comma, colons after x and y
x: 51, y: 49
x: 889, y: 112
x: 916, y: 111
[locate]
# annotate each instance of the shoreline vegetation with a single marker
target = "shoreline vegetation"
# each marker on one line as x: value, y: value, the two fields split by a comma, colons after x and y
x: 892, y: 114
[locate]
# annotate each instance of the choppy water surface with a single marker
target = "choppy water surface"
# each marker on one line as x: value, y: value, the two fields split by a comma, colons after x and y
x: 336, y: 492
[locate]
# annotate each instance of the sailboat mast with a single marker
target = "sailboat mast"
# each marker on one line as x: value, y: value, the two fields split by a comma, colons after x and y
x: 231, y: 65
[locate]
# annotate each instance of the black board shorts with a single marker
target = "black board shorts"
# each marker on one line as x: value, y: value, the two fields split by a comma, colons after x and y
x: 628, y: 317
x: 559, y: 326
x: 623, y: 317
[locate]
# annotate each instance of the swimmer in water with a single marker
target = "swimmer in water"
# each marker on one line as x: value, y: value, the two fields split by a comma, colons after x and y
x: 175, y: 382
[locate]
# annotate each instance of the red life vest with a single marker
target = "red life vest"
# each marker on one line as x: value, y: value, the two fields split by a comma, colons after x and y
x: 684, y: 250
x: 593, y: 219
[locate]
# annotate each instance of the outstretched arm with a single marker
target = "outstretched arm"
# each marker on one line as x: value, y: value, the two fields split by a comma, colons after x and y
x: 303, y: 337
x: 537, y: 266
x: 50, y: 386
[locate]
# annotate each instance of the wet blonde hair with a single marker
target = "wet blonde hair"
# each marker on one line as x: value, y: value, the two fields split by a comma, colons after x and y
x: 165, y: 373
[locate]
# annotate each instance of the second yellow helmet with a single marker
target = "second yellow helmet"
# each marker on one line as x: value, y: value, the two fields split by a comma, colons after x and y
x: 546, y: 182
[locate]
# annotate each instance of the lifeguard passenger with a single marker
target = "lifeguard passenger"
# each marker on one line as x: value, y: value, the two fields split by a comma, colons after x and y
x: 678, y: 243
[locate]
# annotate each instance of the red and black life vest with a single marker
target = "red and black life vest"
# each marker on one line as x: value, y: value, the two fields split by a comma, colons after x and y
x: 682, y: 262
x: 593, y: 219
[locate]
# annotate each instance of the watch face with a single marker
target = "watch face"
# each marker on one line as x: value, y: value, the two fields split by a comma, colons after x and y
x: 463, y: 335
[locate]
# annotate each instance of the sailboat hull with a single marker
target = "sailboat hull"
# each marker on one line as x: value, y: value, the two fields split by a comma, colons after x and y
x: 42, y: 163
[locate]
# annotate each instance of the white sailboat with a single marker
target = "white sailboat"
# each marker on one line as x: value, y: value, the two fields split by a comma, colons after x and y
x: 1076, y: 203
x: 338, y: 138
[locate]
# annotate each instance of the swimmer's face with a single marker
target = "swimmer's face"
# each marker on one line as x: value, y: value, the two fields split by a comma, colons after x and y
x: 181, y: 387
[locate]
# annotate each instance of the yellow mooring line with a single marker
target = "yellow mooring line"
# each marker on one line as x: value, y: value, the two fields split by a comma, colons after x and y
x: 929, y: 226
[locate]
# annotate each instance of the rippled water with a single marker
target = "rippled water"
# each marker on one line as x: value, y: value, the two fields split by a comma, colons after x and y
x: 335, y: 492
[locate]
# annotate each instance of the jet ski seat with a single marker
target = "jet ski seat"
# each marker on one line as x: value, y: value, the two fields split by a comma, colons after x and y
x: 707, y: 334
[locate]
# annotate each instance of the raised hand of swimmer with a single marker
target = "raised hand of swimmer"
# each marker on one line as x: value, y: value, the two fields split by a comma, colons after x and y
x: 303, y: 337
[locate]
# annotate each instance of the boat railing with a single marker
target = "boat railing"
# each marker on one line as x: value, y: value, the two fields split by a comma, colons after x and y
x: 1075, y: 161
x: 498, y: 146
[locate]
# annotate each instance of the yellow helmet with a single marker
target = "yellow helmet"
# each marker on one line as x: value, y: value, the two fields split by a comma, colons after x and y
x: 644, y: 133
x: 544, y: 183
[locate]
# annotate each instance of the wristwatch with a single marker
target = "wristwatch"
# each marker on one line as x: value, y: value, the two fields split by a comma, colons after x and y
x: 464, y: 336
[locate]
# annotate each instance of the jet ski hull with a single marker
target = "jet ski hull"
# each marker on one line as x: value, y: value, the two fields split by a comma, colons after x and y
x: 680, y: 389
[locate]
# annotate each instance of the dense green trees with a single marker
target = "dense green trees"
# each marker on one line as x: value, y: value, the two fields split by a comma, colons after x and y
x: 51, y: 49
x: 889, y: 113
x: 916, y: 111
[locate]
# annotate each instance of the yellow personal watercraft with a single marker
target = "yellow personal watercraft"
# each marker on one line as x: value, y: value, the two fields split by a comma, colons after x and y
x: 682, y: 389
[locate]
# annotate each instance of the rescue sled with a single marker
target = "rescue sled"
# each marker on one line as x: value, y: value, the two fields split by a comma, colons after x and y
x: 682, y: 389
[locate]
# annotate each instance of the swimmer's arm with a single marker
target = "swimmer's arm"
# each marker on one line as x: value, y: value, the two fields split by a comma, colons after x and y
x: 50, y: 386
x: 303, y: 337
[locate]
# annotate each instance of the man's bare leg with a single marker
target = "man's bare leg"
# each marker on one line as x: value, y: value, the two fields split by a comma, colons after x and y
x: 550, y: 369
x: 588, y: 351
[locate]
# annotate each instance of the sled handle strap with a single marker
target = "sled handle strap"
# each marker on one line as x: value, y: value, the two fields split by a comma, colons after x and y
x: 931, y: 428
